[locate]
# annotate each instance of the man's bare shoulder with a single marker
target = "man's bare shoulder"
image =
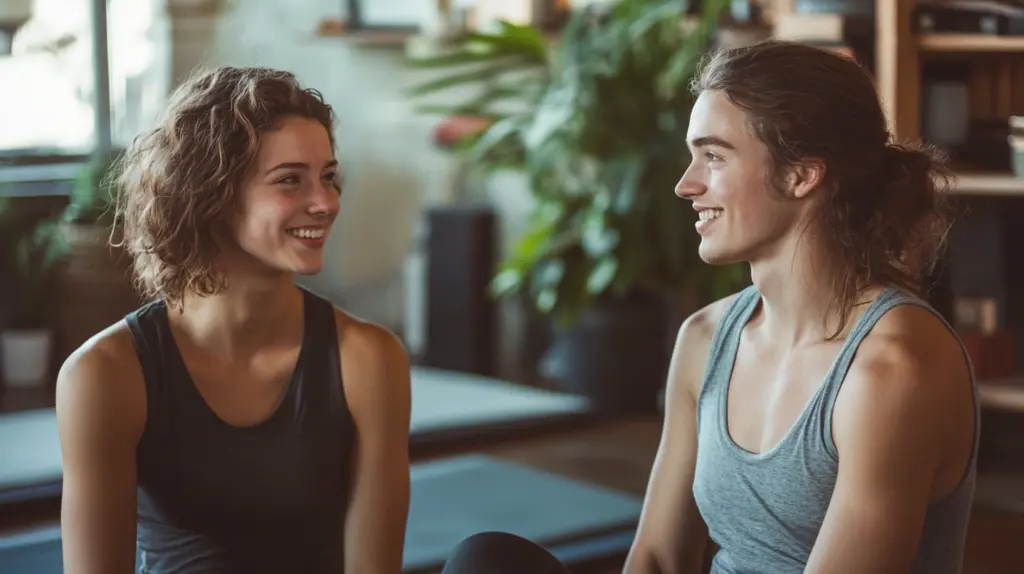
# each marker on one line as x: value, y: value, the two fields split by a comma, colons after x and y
x: 103, y: 377
x: 910, y: 372
x: 693, y: 342
x: 701, y: 325
x: 915, y: 347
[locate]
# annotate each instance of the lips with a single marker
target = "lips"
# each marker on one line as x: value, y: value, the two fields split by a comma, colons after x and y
x: 706, y: 218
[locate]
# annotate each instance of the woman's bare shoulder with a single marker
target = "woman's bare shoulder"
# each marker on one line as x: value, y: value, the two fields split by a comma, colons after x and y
x: 103, y: 379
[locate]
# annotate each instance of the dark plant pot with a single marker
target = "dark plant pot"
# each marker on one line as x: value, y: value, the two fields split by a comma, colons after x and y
x: 617, y: 354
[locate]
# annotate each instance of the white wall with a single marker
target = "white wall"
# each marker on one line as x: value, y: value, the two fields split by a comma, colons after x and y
x: 392, y: 169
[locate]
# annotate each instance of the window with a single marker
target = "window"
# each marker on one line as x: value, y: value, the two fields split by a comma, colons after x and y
x: 47, y: 99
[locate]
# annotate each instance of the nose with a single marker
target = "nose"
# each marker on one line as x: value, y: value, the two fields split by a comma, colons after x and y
x: 324, y: 200
x: 690, y: 185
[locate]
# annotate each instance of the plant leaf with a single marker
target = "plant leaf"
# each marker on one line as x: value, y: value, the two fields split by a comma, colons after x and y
x: 602, y: 275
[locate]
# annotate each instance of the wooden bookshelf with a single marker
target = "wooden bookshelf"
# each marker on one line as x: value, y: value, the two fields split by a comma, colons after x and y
x: 898, y: 57
x: 981, y: 43
x: 1002, y: 394
x: 337, y: 28
x: 988, y: 184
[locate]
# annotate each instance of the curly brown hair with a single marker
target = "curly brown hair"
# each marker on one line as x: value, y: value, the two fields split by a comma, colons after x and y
x: 886, y: 214
x: 177, y: 183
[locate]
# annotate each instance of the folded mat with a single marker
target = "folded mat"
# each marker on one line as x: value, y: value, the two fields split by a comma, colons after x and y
x: 447, y: 407
x: 452, y: 499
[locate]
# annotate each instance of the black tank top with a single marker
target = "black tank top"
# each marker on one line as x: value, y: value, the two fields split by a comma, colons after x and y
x: 215, y: 498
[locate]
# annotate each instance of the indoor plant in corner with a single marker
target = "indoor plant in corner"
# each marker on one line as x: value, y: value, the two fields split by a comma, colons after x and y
x: 26, y: 342
x: 601, y: 136
x: 94, y: 284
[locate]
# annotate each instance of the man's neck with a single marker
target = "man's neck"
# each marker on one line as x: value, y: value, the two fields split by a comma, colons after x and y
x: 244, y: 317
x: 796, y: 292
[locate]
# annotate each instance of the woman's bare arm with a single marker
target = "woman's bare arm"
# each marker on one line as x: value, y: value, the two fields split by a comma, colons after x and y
x: 101, y: 412
x: 376, y: 381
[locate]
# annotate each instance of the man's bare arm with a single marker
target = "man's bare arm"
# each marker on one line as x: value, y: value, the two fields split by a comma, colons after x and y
x: 101, y: 411
x: 672, y: 536
x: 900, y: 413
x: 376, y: 378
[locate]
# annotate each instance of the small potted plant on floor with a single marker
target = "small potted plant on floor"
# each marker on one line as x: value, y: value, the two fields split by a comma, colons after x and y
x: 26, y: 342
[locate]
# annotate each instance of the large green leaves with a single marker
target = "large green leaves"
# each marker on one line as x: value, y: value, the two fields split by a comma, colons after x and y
x: 597, y: 121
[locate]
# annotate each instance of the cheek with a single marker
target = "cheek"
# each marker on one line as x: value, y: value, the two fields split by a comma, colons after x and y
x: 263, y: 221
x: 746, y: 197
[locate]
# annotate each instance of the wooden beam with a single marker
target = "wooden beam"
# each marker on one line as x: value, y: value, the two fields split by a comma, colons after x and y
x: 897, y: 68
x: 783, y: 6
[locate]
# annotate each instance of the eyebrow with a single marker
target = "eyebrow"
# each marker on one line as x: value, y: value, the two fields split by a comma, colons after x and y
x: 299, y: 165
x: 706, y: 141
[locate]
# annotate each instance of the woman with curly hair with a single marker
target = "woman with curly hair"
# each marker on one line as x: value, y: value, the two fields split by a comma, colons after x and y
x: 237, y: 422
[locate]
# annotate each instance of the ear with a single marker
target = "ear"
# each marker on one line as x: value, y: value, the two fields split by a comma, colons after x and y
x: 805, y: 177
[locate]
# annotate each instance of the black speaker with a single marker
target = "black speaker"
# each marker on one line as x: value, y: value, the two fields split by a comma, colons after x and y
x: 461, y: 329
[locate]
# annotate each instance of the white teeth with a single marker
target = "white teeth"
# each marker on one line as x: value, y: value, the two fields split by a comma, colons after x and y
x: 307, y: 232
x: 709, y: 214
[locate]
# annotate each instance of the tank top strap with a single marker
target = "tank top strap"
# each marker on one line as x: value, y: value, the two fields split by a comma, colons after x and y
x: 725, y: 342
x: 890, y: 298
x: 151, y: 336
x: 321, y: 349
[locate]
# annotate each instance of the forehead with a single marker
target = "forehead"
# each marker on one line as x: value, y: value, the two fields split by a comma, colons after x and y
x: 713, y: 115
x: 293, y: 139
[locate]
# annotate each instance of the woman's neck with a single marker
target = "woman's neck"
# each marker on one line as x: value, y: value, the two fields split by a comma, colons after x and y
x: 243, y: 318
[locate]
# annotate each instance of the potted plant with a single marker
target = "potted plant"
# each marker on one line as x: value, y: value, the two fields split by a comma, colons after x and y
x: 597, y: 122
x: 26, y: 342
x: 94, y: 285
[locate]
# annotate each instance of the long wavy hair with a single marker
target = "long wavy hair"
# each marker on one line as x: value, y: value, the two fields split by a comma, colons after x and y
x: 886, y: 215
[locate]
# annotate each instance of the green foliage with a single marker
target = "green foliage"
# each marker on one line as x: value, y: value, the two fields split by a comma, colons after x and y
x: 93, y: 193
x: 35, y: 256
x: 598, y: 123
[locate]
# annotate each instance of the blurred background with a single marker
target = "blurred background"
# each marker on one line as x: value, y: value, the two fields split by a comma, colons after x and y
x: 508, y: 211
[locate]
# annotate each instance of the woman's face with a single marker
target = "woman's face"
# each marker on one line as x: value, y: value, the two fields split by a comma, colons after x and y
x: 288, y: 203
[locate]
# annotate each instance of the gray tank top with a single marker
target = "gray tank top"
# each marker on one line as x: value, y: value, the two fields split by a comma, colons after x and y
x: 764, y: 510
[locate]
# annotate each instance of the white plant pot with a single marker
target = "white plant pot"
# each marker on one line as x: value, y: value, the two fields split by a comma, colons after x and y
x: 25, y: 356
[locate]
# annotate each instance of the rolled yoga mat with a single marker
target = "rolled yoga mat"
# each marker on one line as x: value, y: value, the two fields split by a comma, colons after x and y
x: 451, y: 500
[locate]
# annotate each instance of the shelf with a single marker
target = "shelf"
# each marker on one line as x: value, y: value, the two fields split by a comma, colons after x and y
x: 1002, y: 394
x: 988, y: 184
x: 334, y: 28
x: 969, y: 43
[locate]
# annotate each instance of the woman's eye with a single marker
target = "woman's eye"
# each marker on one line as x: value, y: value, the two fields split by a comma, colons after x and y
x: 334, y: 180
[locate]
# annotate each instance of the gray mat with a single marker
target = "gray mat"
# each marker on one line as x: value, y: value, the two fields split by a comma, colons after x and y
x: 446, y: 406
x: 443, y: 401
x: 452, y: 499
x: 29, y: 452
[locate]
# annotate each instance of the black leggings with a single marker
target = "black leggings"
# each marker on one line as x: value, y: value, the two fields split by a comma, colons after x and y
x: 501, y: 553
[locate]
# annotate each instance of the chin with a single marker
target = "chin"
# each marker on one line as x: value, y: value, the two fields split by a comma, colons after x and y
x: 716, y: 255
x: 308, y: 268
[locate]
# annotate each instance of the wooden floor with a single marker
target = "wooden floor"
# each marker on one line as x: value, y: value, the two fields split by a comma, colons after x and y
x: 619, y: 455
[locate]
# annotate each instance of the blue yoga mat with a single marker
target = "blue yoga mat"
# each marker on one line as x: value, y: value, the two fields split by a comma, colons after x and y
x: 451, y: 500
x: 447, y: 408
